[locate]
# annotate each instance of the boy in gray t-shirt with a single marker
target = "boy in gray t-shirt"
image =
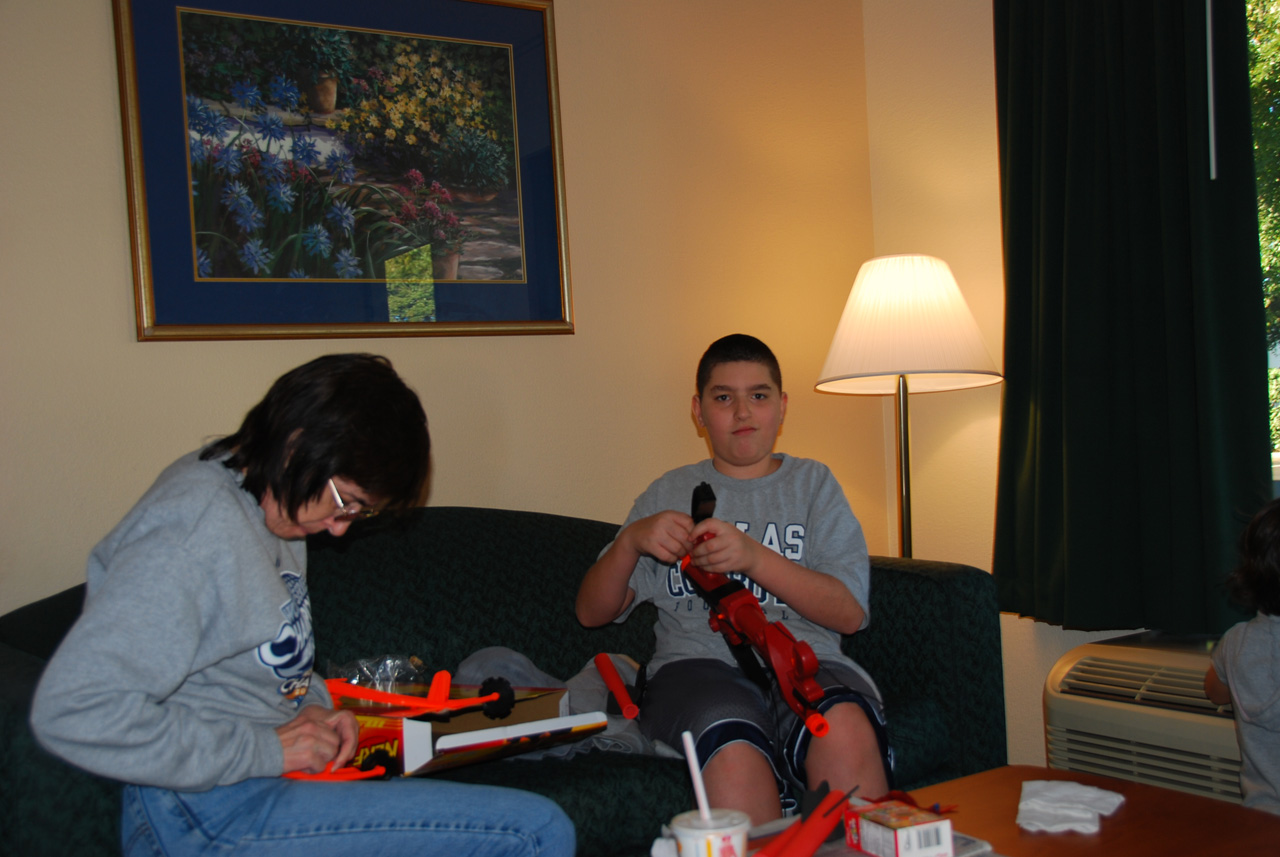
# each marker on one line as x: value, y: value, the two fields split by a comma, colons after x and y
x: 784, y: 528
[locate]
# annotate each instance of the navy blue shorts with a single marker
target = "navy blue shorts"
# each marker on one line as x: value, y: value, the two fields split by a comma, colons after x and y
x: 719, y: 705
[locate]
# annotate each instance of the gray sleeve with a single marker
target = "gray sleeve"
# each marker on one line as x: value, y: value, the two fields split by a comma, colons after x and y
x: 839, y: 547
x: 104, y: 702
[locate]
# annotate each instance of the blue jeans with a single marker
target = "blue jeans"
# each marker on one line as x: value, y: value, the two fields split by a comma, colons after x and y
x: 401, y: 816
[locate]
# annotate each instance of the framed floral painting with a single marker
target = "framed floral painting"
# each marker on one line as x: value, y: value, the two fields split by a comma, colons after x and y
x: 338, y: 169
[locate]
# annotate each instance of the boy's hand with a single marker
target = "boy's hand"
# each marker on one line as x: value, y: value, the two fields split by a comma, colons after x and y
x: 664, y: 536
x: 721, y: 548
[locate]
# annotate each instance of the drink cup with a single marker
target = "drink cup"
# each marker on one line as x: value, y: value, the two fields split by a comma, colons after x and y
x: 724, y: 834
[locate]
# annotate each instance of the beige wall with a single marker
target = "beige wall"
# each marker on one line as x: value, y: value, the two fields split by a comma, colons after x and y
x: 724, y: 164
x: 717, y: 180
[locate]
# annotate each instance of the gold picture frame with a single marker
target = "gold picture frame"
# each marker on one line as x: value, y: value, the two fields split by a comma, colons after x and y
x: 329, y: 170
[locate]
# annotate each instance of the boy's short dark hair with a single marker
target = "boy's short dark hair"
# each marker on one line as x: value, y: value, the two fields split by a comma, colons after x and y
x: 736, y: 348
x: 1256, y: 581
x: 346, y: 415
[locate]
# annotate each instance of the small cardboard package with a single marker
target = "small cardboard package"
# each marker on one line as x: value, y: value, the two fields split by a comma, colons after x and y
x: 895, y: 829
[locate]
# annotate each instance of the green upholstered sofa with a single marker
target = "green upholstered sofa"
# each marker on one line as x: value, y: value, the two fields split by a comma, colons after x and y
x: 444, y: 582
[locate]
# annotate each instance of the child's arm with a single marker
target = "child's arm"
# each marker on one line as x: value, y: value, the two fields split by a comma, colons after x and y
x: 816, y: 596
x: 1215, y: 689
x: 604, y: 593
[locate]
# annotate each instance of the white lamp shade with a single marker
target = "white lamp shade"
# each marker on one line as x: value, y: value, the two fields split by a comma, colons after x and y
x: 905, y: 316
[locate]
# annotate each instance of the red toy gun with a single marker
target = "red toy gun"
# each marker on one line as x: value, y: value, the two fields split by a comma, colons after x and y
x: 736, y: 614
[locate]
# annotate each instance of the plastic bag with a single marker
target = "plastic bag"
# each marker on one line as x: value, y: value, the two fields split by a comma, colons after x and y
x: 384, y: 672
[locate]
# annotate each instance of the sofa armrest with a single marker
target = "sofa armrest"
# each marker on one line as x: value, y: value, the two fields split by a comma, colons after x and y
x: 933, y: 647
x: 36, y: 789
x: 37, y: 628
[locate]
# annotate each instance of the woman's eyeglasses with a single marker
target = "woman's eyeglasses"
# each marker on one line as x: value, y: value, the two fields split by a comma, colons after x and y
x: 354, y: 511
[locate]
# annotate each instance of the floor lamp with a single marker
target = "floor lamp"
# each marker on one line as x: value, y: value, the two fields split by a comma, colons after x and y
x: 905, y: 329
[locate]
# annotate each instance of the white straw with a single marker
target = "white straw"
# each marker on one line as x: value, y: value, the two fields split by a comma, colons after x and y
x: 695, y: 771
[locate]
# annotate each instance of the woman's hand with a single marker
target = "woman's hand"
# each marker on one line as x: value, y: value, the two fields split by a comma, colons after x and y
x: 316, y: 737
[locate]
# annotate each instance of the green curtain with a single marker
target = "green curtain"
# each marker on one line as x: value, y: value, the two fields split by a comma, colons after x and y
x: 1134, y: 442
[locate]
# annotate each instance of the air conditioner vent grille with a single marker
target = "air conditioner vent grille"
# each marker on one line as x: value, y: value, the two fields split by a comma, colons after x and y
x: 1112, y: 756
x: 1141, y: 684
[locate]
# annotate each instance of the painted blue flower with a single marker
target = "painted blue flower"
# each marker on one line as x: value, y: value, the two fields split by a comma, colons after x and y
x: 339, y: 164
x: 305, y: 151
x: 342, y: 217
x: 217, y: 125
x: 249, y: 219
x: 347, y: 265
x: 283, y: 92
x: 316, y: 241
x: 299, y: 274
x: 247, y: 95
x: 229, y: 160
x: 271, y: 127
x: 204, y: 120
x: 236, y: 197
x: 280, y: 197
x: 196, y: 111
x: 255, y: 257
x: 199, y: 151
x: 272, y: 166
x: 203, y: 266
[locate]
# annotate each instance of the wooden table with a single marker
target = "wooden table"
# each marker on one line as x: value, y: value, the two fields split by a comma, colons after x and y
x: 1153, y: 821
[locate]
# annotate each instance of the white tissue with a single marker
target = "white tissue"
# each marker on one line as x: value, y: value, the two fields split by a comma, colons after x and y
x: 1057, y: 805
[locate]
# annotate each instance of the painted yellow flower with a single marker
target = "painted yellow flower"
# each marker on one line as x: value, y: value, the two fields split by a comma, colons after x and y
x: 391, y: 133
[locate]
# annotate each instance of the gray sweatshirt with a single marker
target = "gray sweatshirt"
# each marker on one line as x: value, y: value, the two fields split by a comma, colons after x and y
x: 195, y: 642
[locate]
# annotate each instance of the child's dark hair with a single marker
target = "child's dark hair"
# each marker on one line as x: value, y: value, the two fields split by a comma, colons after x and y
x: 1256, y: 581
x: 346, y: 415
x: 737, y: 348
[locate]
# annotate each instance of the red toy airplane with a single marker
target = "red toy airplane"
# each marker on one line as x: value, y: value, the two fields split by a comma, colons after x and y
x: 437, y: 702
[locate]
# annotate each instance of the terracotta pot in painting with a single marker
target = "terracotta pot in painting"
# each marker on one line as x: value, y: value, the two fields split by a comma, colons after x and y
x: 322, y: 96
x: 444, y: 266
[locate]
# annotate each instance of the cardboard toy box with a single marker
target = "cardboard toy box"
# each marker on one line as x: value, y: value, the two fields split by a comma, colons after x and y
x: 419, y: 746
x: 896, y: 829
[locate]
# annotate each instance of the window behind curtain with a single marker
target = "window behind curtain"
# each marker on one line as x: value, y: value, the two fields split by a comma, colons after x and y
x: 1264, y: 84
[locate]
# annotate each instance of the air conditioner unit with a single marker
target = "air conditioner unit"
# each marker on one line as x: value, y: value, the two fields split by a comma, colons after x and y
x: 1135, y: 708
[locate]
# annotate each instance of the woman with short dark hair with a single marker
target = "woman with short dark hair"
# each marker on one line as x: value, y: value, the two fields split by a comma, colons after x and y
x: 189, y: 675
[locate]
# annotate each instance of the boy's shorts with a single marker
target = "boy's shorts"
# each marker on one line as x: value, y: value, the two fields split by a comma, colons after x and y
x: 719, y: 705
